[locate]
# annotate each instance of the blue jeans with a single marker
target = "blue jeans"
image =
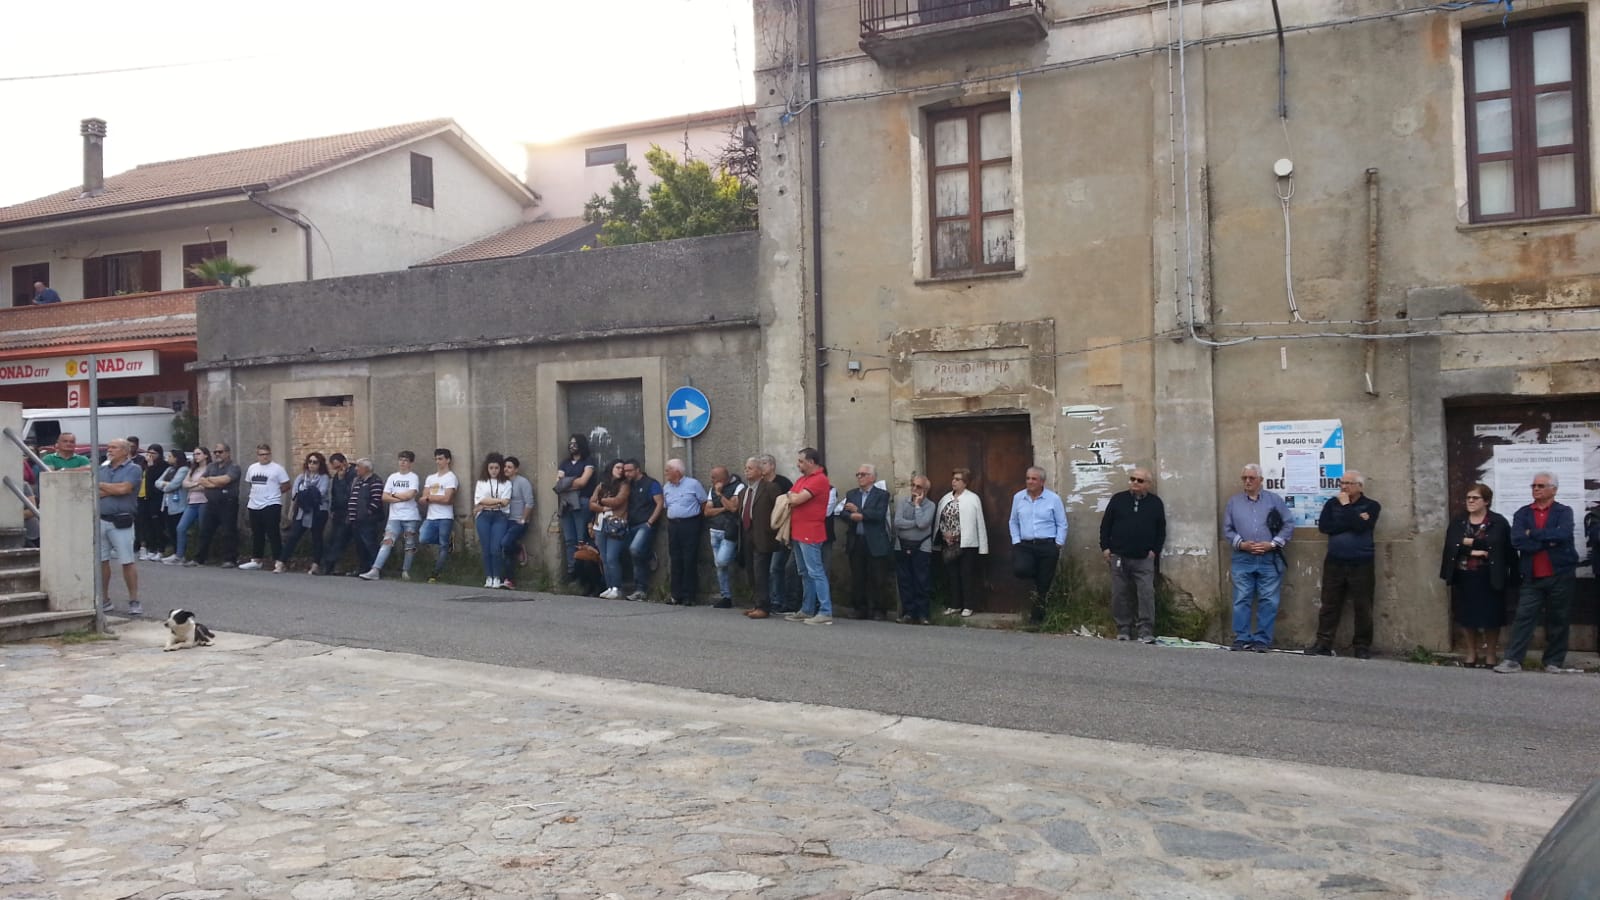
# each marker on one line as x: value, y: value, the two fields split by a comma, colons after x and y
x: 492, y: 525
x: 723, y: 552
x: 508, y: 545
x: 191, y: 516
x: 642, y: 547
x: 611, y: 557
x: 574, y: 531
x: 914, y: 571
x: 1255, y: 576
x: 438, y: 531
x: 404, y: 529
x: 816, y: 600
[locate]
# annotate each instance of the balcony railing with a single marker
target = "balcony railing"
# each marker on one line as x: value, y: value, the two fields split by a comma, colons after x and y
x: 884, y: 17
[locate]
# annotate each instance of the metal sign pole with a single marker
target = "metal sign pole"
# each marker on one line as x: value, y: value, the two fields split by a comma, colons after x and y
x: 94, y: 472
x: 689, y: 453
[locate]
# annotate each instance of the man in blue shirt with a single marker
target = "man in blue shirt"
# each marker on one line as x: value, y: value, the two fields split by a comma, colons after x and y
x: 119, y: 483
x: 1038, y: 532
x: 44, y: 293
x: 1247, y: 524
x: 685, y: 500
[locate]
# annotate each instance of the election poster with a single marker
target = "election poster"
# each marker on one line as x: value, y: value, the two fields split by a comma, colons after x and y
x: 1302, y: 461
x: 1514, y: 468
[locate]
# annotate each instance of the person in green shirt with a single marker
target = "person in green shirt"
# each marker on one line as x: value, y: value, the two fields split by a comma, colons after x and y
x: 66, y: 454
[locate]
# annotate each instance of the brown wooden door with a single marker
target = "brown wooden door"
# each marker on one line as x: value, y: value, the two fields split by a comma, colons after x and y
x: 998, y: 450
x: 22, y: 279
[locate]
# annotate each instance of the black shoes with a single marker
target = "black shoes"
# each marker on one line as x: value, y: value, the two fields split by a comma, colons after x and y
x: 1319, y: 650
x: 724, y: 603
x: 1363, y: 653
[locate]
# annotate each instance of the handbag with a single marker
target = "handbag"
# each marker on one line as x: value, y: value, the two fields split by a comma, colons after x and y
x: 615, y: 526
x: 118, y: 520
x: 587, y: 553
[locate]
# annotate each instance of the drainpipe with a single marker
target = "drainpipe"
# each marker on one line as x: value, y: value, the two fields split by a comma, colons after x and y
x: 1371, y: 309
x: 292, y: 218
x: 816, y: 228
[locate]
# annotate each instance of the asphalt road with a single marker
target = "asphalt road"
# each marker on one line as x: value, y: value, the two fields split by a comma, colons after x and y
x: 1531, y: 730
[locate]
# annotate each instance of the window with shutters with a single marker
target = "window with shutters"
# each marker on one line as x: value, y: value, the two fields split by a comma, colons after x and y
x: 422, y: 180
x: 973, y: 222
x: 1527, y: 119
x: 194, y: 254
x: 122, y: 273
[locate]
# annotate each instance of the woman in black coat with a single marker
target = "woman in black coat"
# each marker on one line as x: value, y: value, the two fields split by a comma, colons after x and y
x: 152, y: 520
x: 1478, y: 564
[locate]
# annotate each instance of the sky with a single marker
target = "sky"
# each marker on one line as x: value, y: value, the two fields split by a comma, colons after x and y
x: 237, y: 75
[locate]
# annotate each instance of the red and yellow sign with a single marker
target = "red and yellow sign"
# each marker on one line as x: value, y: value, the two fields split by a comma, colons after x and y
x: 123, y: 364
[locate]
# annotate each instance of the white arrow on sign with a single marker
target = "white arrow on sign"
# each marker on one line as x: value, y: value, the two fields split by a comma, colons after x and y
x: 689, y: 412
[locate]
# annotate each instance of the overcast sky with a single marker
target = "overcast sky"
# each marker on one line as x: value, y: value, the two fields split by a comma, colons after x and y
x: 507, y: 70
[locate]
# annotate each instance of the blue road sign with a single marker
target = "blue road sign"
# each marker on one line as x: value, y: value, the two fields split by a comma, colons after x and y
x: 688, y: 412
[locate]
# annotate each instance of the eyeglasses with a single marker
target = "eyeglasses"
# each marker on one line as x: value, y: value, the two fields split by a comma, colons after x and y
x: 1349, y: 483
x: 1136, y: 479
x: 262, y: 453
x: 1474, y: 497
x: 863, y: 474
x: 220, y: 450
x: 1249, y: 477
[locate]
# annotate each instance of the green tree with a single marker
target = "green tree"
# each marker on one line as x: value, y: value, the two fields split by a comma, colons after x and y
x: 690, y: 200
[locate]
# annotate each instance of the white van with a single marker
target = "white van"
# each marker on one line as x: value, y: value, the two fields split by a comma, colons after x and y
x: 150, y: 424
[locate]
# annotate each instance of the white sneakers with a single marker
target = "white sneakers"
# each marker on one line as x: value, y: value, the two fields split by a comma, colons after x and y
x: 492, y: 582
x: 252, y: 564
x: 966, y: 614
x: 368, y: 575
x: 172, y: 560
x: 278, y: 568
x: 610, y: 594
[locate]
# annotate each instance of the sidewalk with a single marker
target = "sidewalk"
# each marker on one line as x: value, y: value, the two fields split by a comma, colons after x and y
x: 273, y: 768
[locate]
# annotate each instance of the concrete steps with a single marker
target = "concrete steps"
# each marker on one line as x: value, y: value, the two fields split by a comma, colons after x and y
x: 24, y: 609
x: 44, y: 624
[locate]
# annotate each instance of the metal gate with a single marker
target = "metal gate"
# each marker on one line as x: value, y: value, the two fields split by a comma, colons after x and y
x: 611, y: 413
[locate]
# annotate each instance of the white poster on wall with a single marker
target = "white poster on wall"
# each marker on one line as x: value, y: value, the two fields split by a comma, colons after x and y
x: 1516, y: 464
x: 1302, y: 461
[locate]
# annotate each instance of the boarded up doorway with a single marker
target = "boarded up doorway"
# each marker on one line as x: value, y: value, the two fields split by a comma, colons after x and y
x: 1474, y: 428
x: 998, y: 450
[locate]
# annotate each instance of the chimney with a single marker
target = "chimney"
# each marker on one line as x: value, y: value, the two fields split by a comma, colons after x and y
x: 94, y: 157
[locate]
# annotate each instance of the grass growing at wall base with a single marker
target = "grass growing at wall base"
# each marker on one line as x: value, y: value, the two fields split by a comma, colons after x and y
x: 1077, y: 602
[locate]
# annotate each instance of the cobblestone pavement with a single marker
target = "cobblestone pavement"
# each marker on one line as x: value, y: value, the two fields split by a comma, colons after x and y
x: 283, y: 769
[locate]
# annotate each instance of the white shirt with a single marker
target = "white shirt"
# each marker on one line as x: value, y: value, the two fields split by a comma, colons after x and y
x: 434, y: 489
x: 404, y: 510
x: 266, y: 482
x: 491, y: 488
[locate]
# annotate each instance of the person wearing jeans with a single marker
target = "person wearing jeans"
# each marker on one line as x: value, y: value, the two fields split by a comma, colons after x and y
x: 439, y: 511
x: 517, y: 515
x: 1247, y: 524
x: 609, y: 501
x: 1542, y: 532
x: 490, y: 500
x: 722, y: 512
x: 646, y: 506
x: 808, y: 516
x: 574, y: 484
x: 221, y: 509
x: 197, y: 506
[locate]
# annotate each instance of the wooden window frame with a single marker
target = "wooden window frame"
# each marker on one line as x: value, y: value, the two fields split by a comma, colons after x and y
x: 1525, y: 152
x: 589, y: 154
x: 975, y: 214
x: 422, y: 188
x: 193, y: 254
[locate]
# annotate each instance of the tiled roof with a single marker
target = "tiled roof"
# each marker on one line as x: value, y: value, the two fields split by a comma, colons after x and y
x: 514, y: 241
x: 219, y: 173
x: 161, y: 314
x: 123, y: 330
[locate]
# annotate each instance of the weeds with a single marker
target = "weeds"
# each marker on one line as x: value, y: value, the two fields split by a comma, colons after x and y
x: 1075, y: 601
x: 1421, y: 654
x: 87, y: 636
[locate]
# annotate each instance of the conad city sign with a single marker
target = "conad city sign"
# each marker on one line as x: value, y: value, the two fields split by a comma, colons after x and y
x: 126, y: 364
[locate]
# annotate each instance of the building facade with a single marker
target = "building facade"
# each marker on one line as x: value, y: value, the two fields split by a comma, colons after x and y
x: 504, y: 355
x: 1178, y: 236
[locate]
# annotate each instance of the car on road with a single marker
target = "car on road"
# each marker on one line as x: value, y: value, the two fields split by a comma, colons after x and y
x: 1566, y: 865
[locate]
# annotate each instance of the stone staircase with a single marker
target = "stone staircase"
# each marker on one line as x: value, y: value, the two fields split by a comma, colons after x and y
x: 24, y: 609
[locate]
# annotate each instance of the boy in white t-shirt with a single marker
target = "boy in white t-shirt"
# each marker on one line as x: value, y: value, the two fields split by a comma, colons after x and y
x: 268, y: 483
x: 400, y: 493
x: 439, y: 496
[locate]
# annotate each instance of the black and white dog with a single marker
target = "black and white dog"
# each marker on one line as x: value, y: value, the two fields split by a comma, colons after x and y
x: 186, y: 631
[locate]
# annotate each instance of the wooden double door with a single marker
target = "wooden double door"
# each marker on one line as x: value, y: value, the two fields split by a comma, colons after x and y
x: 998, y: 450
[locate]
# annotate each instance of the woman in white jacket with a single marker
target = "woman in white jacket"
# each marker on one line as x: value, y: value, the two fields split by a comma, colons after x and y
x: 959, y: 520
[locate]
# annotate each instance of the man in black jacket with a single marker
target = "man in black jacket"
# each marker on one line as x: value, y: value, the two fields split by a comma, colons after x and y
x: 365, y: 513
x: 1132, y: 532
x: 866, y: 516
x: 342, y: 477
x: 1347, y: 572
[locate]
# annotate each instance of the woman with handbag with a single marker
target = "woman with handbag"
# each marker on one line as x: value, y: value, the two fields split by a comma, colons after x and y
x: 174, y: 499
x: 610, y: 503
x: 312, y: 493
x: 959, y: 519
x: 1478, y: 564
x: 199, y: 460
x: 490, y: 500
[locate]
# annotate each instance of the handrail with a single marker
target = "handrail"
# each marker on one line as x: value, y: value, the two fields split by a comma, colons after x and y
x: 6, y: 480
x: 879, y: 17
x: 26, y: 450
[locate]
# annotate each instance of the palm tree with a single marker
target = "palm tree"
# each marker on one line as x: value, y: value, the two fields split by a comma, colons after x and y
x: 224, y: 270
